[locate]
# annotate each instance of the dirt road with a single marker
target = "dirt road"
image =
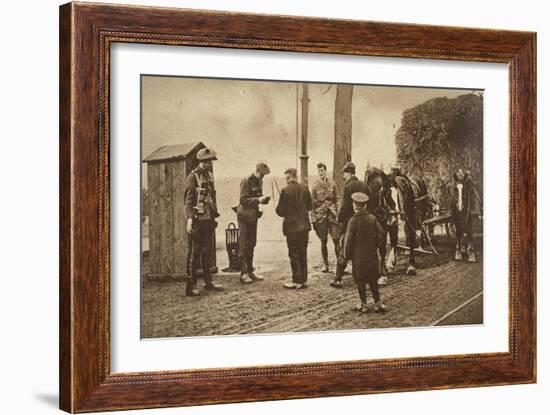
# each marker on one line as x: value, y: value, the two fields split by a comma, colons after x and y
x: 441, y: 285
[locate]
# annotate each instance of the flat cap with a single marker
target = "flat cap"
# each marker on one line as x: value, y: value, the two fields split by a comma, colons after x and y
x: 292, y: 172
x: 359, y: 197
x: 206, y: 154
x: 349, y: 167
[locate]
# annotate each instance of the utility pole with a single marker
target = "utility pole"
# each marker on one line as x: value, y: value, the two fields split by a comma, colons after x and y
x: 342, y: 132
x: 303, y: 153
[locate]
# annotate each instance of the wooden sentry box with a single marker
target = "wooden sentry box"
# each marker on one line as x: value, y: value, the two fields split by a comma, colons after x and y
x: 167, y: 170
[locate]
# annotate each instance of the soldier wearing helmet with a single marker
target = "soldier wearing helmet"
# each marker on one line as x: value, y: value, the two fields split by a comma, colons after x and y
x: 201, y: 211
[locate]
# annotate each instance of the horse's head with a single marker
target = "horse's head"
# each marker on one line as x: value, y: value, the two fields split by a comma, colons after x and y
x: 376, y: 179
x: 382, y: 193
x: 395, y: 171
x: 459, y: 175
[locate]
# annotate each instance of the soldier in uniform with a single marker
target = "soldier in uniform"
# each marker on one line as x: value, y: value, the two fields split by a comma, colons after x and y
x: 248, y: 213
x: 294, y: 205
x: 352, y: 185
x: 201, y: 211
x: 364, y: 236
x: 324, y: 215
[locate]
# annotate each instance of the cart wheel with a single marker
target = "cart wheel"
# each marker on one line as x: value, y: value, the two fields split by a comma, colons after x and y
x: 451, y: 230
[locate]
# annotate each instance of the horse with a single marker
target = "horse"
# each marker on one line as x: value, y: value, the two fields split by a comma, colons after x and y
x: 382, y: 206
x: 423, y: 205
x: 466, y: 206
x: 396, y: 198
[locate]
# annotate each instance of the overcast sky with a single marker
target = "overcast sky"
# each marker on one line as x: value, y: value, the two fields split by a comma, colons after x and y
x: 250, y: 121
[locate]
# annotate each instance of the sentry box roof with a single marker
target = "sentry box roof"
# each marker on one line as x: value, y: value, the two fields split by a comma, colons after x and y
x: 173, y: 152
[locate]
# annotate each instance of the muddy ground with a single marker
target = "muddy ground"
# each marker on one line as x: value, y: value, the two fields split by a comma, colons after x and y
x: 440, y: 286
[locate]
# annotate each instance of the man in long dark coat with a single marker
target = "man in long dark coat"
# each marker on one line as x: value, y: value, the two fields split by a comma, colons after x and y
x: 364, y: 236
x: 294, y: 205
x: 248, y: 213
x: 352, y: 185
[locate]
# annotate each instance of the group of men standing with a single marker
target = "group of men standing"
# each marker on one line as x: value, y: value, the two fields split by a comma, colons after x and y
x: 294, y: 204
x: 355, y: 233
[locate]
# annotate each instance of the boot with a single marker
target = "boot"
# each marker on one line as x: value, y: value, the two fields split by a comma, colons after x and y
x: 191, y: 289
x: 324, y: 253
x: 213, y: 287
x: 245, y: 279
x: 337, y: 281
x: 291, y: 285
x: 380, y: 307
x: 208, y: 284
x: 361, y: 308
x: 250, y: 265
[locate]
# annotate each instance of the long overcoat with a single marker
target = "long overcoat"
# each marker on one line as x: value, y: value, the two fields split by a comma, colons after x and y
x: 294, y: 204
x: 352, y: 186
x: 248, y: 214
x: 363, y: 238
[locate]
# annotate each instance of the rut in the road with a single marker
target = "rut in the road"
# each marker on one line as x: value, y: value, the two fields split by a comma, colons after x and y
x: 266, y: 307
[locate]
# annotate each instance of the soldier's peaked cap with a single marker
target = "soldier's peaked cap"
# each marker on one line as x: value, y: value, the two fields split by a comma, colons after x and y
x: 349, y: 167
x: 359, y: 197
x: 206, y: 154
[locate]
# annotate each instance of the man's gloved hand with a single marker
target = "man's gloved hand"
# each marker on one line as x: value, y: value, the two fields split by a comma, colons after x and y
x: 190, y: 225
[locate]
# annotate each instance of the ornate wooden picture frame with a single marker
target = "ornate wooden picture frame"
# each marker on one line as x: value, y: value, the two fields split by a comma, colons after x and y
x: 87, y: 32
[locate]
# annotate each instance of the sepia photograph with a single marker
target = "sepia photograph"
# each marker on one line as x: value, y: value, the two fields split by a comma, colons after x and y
x: 272, y: 207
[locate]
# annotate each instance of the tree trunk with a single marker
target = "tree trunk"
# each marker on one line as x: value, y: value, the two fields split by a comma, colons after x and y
x: 342, y: 132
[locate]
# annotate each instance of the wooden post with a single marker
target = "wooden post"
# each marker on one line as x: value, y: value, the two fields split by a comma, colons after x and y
x: 303, y: 153
x: 342, y: 132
